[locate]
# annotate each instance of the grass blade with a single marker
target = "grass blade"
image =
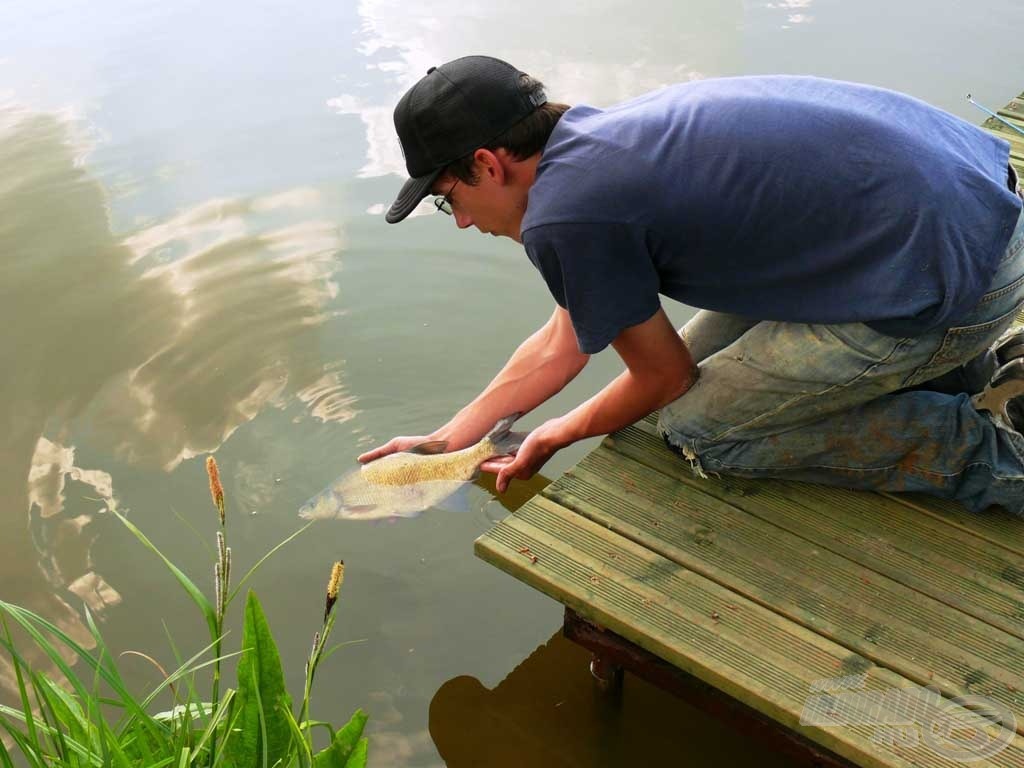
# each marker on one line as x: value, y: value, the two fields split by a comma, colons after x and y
x: 28, y: 621
x: 101, y: 647
x: 195, y: 531
x: 29, y: 749
x: 19, y: 677
x: 215, y: 720
x: 304, y: 754
x: 260, y: 562
x: 193, y: 591
x: 330, y: 651
x: 58, y: 708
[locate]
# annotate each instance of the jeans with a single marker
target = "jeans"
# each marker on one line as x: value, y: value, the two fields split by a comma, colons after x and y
x: 837, y: 404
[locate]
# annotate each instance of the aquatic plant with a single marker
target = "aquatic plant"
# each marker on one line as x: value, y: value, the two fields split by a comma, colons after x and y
x: 90, y: 718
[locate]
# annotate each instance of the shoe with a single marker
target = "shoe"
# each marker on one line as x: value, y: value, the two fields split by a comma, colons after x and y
x: 1009, y: 347
x: 1003, y: 397
x: 979, y: 372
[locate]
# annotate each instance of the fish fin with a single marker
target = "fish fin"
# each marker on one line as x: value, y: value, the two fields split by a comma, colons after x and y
x: 503, y: 440
x: 361, y: 512
x: 429, y: 448
x: 503, y: 426
x: 460, y: 500
x: 508, y: 442
x: 356, y: 509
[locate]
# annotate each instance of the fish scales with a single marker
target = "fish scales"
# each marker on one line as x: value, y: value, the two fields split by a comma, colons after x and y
x: 408, y: 468
x: 405, y: 483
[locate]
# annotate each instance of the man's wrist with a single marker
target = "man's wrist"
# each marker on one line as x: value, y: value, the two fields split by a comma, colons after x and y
x: 567, y: 430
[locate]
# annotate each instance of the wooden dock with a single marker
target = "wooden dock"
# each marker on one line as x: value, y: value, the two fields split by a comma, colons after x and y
x: 782, y: 605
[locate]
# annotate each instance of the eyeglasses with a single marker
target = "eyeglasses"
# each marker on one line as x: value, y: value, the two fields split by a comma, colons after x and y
x: 443, y: 202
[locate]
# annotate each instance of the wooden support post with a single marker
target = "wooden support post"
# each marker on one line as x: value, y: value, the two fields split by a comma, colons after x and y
x: 607, y: 674
x: 617, y: 653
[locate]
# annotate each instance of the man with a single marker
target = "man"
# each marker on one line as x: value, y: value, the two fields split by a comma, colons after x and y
x: 847, y: 245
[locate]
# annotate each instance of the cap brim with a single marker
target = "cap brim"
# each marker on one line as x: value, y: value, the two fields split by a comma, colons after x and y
x: 412, y: 192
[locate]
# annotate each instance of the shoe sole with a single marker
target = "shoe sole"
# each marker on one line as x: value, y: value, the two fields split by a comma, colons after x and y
x: 1006, y: 385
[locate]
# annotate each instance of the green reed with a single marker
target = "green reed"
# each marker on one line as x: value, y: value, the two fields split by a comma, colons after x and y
x: 87, y: 717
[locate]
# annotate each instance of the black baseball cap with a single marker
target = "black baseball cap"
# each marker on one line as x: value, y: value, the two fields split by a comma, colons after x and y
x: 454, y: 109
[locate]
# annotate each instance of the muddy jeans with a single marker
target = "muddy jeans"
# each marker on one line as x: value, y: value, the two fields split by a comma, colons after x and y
x: 830, y: 403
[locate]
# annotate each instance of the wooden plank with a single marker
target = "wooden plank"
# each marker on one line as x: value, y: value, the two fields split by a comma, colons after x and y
x: 1009, y: 116
x: 1008, y: 134
x: 1014, y: 109
x: 997, y: 527
x: 758, y: 657
x: 922, y: 552
x: 895, y: 626
x: 782, y: 742
x: 1014, y: 113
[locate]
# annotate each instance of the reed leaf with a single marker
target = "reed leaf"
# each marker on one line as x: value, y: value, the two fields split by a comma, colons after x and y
x: 348, y: 749
x: 261, y: 688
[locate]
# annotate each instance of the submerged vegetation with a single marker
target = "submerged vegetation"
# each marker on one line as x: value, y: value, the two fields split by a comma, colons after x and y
x: 90, y: 718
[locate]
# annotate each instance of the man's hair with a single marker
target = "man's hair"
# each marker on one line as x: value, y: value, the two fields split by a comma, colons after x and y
x: 522, y: 140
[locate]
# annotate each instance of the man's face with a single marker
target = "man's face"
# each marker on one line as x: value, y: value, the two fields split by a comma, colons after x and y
x: 487, y: 205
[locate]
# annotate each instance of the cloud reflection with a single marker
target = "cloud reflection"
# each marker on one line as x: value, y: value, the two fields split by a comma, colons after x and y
x: 793, y: 5
x: 244, y: 305
x: 162, y: 344
x: 598, y: 53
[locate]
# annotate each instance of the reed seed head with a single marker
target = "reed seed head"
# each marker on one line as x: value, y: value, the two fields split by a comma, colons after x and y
x: 334, y: 586
x: 216, y: 489
x: 337, y: 575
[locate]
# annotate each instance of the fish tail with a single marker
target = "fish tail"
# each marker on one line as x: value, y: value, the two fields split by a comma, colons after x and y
x: 503, y: 440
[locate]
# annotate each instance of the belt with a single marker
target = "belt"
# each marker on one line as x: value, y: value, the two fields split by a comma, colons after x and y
x: 1013, y: 182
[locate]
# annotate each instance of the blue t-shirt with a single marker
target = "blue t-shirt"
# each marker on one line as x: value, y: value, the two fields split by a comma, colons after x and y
x: 777, y: 198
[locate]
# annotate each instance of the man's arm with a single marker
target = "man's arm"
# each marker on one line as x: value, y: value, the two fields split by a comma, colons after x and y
x: 541, y: 366
x: 659, y: 369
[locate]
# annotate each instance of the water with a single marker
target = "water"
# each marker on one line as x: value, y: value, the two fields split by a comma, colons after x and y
x: 194, y: 261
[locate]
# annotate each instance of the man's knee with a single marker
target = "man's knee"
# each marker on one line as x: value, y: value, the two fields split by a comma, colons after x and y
x: 682, y: 440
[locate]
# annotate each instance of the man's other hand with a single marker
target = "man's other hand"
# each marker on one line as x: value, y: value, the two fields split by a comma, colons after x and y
x: 539, y: 446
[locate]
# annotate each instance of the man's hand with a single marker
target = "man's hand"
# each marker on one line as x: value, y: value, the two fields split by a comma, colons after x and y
x: 539, y: 446
x: 394, y: 445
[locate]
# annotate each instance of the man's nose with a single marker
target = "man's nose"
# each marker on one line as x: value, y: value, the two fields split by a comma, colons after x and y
x: 462, y: 220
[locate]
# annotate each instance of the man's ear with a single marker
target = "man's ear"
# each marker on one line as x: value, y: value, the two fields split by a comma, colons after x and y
x: 490, y: 165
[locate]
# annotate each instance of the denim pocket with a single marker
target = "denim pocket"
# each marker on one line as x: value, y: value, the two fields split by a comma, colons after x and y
x: 961, y: 344
x: 1016, y: 244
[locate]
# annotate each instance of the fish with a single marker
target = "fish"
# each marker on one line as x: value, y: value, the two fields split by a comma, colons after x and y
x: 405, y: 483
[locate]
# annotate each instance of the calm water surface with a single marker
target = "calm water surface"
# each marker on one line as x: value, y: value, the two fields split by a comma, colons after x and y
x: 193, y: 260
